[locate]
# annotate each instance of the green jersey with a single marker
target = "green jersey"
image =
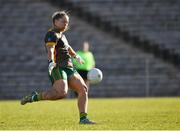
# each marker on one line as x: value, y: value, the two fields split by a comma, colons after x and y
x: 88, y: 58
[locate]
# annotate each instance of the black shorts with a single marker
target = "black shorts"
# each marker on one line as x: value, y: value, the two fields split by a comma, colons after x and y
x: 83, y: 74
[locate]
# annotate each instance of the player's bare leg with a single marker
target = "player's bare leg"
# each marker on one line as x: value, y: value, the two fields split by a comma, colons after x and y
x: 58, y: 91
x: 87, y: 83
x: 77, y: 83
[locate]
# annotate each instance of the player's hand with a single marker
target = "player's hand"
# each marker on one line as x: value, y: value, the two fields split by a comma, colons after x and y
x: 51, y: 66
x: 79, y: 59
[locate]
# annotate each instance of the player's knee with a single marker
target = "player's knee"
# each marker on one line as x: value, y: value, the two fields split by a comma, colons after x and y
x: 61, y: 94
x: 83, y: 91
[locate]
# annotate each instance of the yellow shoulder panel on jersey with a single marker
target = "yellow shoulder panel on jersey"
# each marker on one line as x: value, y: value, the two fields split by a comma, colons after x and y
x: 50, y: 44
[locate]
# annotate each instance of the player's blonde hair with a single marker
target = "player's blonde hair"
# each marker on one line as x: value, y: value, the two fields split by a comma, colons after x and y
x: 58, y: 14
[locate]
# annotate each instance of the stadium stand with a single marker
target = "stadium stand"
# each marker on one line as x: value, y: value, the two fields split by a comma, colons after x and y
x: 152, y: 25
x: 128, y: 71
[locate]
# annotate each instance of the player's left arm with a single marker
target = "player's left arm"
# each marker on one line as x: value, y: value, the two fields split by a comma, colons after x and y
x: 71, y: 51
x: 74, y: 55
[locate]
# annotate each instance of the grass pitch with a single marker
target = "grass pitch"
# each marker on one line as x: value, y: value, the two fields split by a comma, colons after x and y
x: 110, y: 114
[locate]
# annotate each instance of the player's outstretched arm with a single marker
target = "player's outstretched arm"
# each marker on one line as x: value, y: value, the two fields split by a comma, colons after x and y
x: 74, y: 55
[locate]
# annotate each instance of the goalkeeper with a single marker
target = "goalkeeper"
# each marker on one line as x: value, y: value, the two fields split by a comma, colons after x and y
x: 61, y: 71
x: 89, y: 62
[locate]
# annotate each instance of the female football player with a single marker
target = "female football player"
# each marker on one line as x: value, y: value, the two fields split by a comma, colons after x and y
x: 61, y: 71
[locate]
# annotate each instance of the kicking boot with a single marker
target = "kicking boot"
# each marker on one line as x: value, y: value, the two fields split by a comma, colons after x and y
x: 28, y: 98
x: 86, y: 121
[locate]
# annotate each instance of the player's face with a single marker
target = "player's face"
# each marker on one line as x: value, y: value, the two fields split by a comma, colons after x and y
x: 62, y: 23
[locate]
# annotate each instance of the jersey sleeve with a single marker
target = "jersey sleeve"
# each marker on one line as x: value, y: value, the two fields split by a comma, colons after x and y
x: 50, y: 38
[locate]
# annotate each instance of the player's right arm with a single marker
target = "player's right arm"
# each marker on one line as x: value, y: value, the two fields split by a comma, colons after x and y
x: 50, y: 52
x: 50, y: 41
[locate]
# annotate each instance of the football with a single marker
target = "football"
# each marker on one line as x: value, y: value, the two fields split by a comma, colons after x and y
x: 95, y: 76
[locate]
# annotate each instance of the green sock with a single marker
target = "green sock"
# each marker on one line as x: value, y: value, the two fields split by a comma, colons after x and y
x: 83, y: 116
x: 37, y: 97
